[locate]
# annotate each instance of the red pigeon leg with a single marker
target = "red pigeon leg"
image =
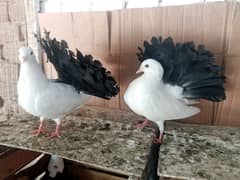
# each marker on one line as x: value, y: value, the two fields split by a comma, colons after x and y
x: 41, y: 128
x: 158, y: 140
x: 56, y: 133
x: 141, y: 124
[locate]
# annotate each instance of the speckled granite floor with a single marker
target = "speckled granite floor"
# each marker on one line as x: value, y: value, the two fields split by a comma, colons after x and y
x: 108, y: 140
x: 104, y: 144
x: 200, y: 152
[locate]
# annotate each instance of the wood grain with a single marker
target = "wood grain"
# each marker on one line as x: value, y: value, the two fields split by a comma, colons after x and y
x: 11, y: 162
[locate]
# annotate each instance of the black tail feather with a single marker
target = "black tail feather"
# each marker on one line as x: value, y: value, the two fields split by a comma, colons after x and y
x: 192, y: 68
x: 81, y: 71
x: 206, y: 83
x: 212, y: 93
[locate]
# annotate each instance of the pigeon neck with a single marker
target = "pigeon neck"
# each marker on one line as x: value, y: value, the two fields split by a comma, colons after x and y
x: 157, y: 78
x: 31, y: 72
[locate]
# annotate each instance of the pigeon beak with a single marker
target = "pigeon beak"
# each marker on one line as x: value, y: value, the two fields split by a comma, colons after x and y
x: 139, y: 71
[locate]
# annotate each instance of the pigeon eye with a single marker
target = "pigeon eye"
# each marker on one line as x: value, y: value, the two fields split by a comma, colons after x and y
x: 31, y: 53
x: 146, y: 65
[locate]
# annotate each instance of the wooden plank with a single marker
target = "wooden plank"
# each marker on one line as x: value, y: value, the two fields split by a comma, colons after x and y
x: 228, y: 110
x: 172, y: 22
x: 94, y: 175
x: 115, y: 26
x: 33, y: 170
x: 169, y: 178
x: 76, y: 171
x: 214, y: 26
x: 193, y: 23
x: 131, y: 30
x: 13, y: 161
x: 3, y: 149
x: 6, y: 150
x: 152, y: 23
x: 233, y: 47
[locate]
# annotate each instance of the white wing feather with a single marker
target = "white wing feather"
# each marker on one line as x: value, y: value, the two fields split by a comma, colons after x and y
x: 58, y: 99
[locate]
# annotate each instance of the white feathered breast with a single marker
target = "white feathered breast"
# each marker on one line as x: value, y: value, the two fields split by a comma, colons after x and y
x: 157, y: 101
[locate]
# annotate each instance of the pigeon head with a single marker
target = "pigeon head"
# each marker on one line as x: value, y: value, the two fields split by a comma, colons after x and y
x: 151, y: 67
x: 26, y: 54
x: 55, y: 165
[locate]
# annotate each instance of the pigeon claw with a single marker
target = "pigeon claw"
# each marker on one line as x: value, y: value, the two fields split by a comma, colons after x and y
x: 54, y: 134
x: 158, y: 140
x: 38, y: 132
x: 142, y: 124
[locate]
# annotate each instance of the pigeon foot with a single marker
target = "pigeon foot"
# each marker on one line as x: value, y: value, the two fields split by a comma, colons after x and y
x: 158, y: 140
x: 142, y: 124
x: 56, y: 133
x: 40, y: 130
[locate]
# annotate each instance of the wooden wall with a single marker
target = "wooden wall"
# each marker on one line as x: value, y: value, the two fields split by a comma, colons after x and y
x: 114, y: 37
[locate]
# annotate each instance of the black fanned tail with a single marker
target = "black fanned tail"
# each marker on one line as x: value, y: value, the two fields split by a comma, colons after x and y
x: 192, y: 68
x: 81, y: 71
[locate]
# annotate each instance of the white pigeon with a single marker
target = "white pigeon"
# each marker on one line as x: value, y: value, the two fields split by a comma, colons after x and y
x: 173, y: 77
x: 42, y: 97
x: 55, y: 166
x: 148, y: 96
x: 79, y: 78
x: 54, y: 169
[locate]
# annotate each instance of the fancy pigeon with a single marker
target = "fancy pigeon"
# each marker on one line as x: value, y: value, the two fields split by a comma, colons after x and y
x: 79, y: 78
x: 175, y: 77
x: 55, y: 168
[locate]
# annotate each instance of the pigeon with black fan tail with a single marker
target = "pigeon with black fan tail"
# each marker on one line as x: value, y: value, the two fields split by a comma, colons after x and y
x: 82, y: 72
x: 80, y: 77
x: 175, y: 76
